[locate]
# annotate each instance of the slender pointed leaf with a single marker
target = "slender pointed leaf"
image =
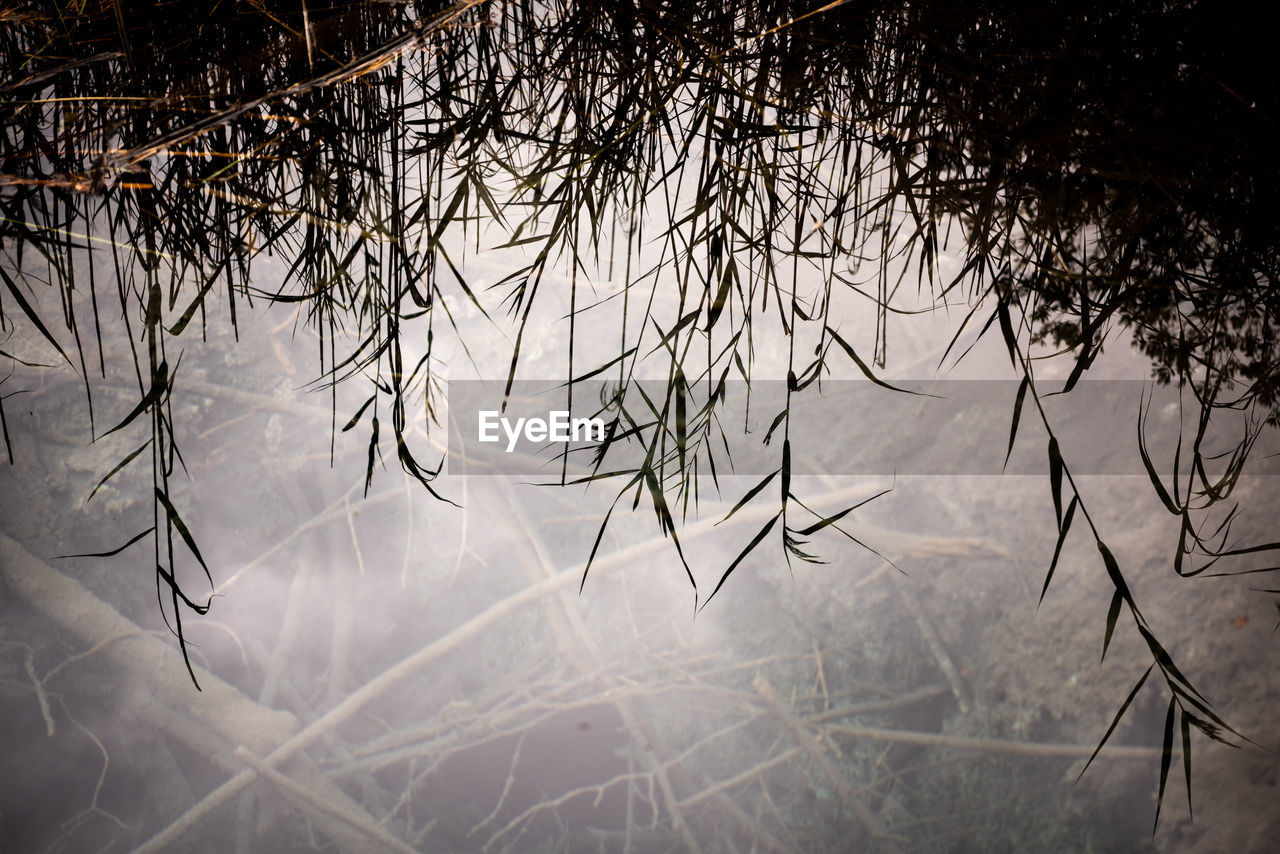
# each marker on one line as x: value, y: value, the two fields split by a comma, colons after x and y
x: 752, y: 493
x: 755, y: 541
x: 1166, y: 755
x: 1113, y: 613
x: 1017, y: 414
x: 175, y: 519
x: 1055, y: 478
x: 1063, y: 529
x: 114, y: 551
x: 1186, y: 760
x: 118, y: 467
x: 1116, y: 720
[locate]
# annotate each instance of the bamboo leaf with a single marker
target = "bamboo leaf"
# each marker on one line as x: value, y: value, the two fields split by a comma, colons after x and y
x: 175, y: 519
x: 595, y: 546
x: 1186, y: 760
x: 1166, y: 755
x: 459, y: 196
x: 1116, y: 720
x: 755, y: 541
x: 159, y: 384
x: 777, y: 419
x: 118, y: 467
x: 866, y: 371
x: 752, y: 493
x: 1166, y: 661
x: 822, y: 523
x: 682, y: 438
x: 371, y: 455
x: 1117, y: 578
x: 1152, y: 475
x: 1006, y: 326
x: 1057, y: 549
x: 31, y: 313
x: 355, y: 419
x: 675, y: 330
x: 786, y: 472
x: 729, y: 276
x: 181, y: 325
x: 114, y: 551
x: 1017, y: 414
x: 1113, y: 613
x: 1055, y: 478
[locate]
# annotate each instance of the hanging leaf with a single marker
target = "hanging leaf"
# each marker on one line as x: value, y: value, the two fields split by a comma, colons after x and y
x: 1017, y: 414
x: 1115, y: 721
x: 1063, y: 529
x: 755, y: 541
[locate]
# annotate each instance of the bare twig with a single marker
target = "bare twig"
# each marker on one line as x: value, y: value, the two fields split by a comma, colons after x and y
x: 323, y: 805
x: 740, y: 778
x: 28, y: 664
x: 939, y: 649
x: 473, y: 628
x: 991, y: 745
x: 807, y: 742
x: 211, y: 721
x: 506, y: 790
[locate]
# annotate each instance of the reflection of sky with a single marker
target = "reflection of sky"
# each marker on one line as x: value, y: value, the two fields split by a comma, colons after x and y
x: 331, y: 590
x: 464, y: 693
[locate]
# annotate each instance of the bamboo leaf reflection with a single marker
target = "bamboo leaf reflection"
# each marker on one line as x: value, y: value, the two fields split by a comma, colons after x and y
x: 730, y: 166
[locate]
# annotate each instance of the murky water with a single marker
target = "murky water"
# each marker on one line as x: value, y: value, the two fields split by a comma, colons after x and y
x: 706, y: 200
